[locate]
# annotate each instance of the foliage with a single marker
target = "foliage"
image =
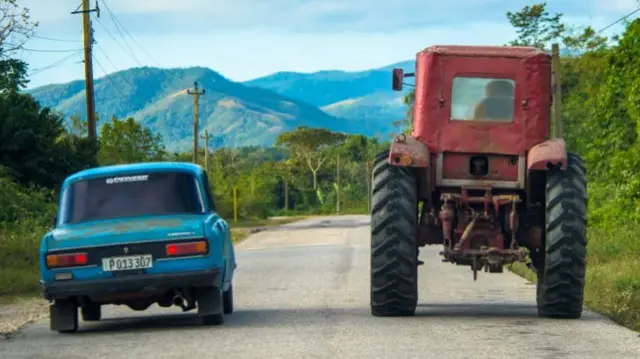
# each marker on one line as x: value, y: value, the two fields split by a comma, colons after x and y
x: 601, y: 93
x: 313, y: 146
x: 15, y: 27
x: 34, y: 145
x: 535, y: 26
x: 126, y: 141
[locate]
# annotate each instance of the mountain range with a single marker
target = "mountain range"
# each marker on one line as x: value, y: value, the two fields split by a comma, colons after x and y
x: 250, y: 113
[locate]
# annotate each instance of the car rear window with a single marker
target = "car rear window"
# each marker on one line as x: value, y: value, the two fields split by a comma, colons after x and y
x: 132, y: 195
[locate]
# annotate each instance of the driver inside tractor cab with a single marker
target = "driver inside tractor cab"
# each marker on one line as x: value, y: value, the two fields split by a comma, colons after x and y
x: 498, y: 102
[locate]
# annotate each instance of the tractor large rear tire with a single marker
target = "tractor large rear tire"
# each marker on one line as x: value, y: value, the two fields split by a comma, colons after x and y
x: 561, y: 281
x: 394, y: 253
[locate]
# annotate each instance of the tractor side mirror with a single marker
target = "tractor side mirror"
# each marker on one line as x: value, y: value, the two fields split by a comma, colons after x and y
x: 398, y: 76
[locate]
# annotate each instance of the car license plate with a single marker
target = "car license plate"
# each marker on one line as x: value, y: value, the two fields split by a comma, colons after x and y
x: 127, y: 263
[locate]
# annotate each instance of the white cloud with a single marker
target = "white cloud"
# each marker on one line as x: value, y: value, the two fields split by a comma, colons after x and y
x: 244, y: 39
x: 616, y: 5
x: 286, y: 15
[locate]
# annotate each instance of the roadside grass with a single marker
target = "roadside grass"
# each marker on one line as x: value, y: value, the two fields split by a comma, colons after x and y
x: 19, y: 257
x: 613, y: 273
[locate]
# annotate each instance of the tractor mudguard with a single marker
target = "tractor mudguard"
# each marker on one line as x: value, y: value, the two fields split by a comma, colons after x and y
x: 406, y: 151
x: 551, y: 152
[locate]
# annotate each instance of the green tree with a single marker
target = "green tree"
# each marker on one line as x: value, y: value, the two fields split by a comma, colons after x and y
x: 535, y: 26
x: 34, y: 145
x: 312, y: 145
x: 15, y: 27
x: 126, y: 141
x: 586, y: 39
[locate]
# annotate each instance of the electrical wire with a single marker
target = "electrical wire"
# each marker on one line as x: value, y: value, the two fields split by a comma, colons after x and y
x: 112, y: 63
x: 53, y: 39
x: 40, y: 50
x: 56, y: 64
x: 106, y: 76
x: 120, y: 26
x: 128, y: 52
x: 619, y: 20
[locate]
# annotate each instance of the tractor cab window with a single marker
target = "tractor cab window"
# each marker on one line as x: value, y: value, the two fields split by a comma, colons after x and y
x: 482, y: 99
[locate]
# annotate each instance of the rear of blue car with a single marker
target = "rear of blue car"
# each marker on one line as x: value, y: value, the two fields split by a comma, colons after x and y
x: 137, y: 235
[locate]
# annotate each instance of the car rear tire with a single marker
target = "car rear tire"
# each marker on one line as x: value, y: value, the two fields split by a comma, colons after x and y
x: 63, y: 316
x: 227, y: 300
x: 210, y: 305
x: 91, y: 312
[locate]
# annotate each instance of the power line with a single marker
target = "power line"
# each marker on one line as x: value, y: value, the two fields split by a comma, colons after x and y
x: 128, y: 52
x: 115, y: 19
x: 106, y: 56
x: 47, y: 50
x: 56, y: 64
x: 619, y: 20
x: 106, y: 76
x: 53, y: 39
x: 112, y: 63
x: 118, y: 25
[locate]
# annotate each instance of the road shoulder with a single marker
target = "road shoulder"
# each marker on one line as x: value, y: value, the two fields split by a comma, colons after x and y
x: 19, y: 312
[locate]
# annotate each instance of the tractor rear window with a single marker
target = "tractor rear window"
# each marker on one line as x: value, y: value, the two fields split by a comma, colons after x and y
x: 131, y: 196
x: 482, y: 99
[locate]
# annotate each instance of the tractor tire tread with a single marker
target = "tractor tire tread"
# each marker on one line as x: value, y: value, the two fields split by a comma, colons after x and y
x: 393, y: 240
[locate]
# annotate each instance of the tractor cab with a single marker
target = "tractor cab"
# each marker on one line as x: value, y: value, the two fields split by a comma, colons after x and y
x: 479, y: 110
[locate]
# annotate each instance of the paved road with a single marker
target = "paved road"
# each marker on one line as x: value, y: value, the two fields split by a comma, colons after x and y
x: 302, y: 291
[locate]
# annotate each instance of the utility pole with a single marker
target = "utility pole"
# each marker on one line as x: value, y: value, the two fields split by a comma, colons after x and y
x: 206, y: 150
x: 557, y: 92
x: 196, y: 100
x: 87, y: 37
x: 338, y: 185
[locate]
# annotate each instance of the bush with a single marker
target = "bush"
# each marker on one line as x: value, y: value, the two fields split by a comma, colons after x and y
x: 25, y: 215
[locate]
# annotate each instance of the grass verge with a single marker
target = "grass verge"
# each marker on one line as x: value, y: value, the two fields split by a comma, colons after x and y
x: 19, y: 256
x: 613, y: 274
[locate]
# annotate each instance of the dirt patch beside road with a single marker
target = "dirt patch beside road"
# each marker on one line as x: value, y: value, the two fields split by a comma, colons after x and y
x: 19, y: 312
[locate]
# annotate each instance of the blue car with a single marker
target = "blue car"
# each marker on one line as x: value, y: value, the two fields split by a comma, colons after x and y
x: 136, y: 235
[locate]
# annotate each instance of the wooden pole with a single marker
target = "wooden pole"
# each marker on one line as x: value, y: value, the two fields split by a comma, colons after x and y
x: 196, y: 101
x: 235, y: 204
x: 557, y: 92
x: 87, y: 39
x: 338, y: 185
x: 206, y: 150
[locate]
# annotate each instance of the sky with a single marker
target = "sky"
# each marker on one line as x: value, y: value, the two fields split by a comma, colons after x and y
x: 246, y: 39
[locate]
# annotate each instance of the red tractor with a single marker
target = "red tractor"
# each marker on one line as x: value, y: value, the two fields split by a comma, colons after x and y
x: 481, y: 175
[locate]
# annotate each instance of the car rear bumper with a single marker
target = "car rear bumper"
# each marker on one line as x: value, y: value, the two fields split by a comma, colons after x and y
x: 151, y: 283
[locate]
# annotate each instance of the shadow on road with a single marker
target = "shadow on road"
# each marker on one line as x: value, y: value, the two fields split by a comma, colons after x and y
x: 487, y: 310
x: 509, y: 314
x: 320, y: 225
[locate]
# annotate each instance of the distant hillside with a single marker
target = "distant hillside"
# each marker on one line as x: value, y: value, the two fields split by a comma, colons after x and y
x: 236, y: 114
x: 362, y: 95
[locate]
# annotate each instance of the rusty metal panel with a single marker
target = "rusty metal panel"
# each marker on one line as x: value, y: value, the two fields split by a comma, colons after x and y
x: 408, y: 152
x: 549, y: 152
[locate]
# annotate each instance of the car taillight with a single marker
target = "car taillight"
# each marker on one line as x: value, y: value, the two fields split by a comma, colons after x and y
x: 183, y: 249
x: 67, y: 260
